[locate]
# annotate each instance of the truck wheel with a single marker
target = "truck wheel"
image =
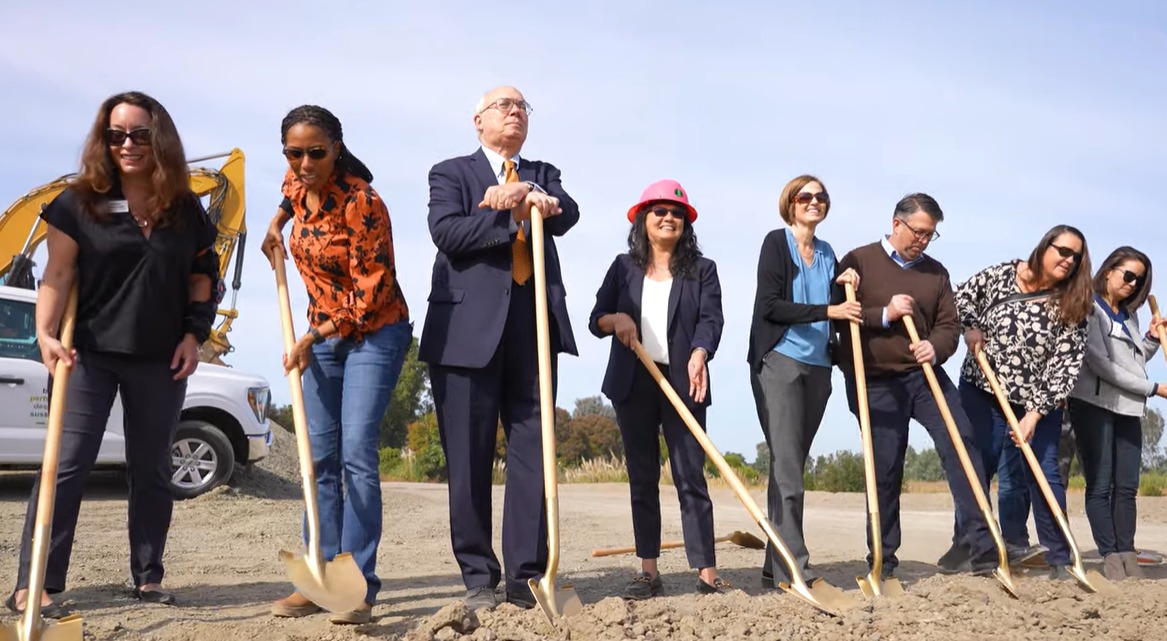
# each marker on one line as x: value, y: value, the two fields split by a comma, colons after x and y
x: 201, y: 459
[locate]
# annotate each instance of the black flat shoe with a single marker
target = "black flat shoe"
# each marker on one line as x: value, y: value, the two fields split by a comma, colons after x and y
x: 155, y: 596
x: 50, y: 611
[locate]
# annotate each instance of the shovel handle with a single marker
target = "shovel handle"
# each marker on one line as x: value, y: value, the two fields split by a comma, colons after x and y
x: 726, y: 471
x: 667, y: 545
x: 961, y: 453
x: 299, y: 418
x: 1162, y: 330
x: 30, y: 620
x: 1027, y: 451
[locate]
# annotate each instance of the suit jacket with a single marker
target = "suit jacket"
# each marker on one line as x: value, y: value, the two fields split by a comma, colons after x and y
x: 471, y: 282
x: 695, y: 320
x: 774, y: 307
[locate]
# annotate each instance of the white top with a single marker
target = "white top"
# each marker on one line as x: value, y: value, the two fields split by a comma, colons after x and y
x: 654, y: 319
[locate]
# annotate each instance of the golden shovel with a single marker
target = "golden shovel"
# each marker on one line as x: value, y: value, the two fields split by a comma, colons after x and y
x: 739, y: 538
x: 1162, y: 330
x: 821, y: 594
x: 556, y: 601
x: 1090, y: 580
x: 1002, y: 572
x: 337, y: 585
x: 872, y: 584
x: 30, y: 626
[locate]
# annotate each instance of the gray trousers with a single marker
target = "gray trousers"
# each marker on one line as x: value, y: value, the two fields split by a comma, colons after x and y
x: 791, y: 397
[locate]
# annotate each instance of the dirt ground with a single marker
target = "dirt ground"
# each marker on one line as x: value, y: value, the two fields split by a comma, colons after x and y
x: 222, y: 564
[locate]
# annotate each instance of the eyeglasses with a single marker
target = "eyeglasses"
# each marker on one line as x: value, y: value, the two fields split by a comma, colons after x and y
x: 315, y: 153
x: 805, y: 197
x: 117, y: 137
x: 506, y: 104
x: 921, y: 234
x: 1066, y: 252
x: 1129, y: 277
x: 661, y: 212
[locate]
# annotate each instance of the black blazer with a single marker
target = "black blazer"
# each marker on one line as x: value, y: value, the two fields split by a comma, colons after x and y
x: 471, y: 284
x: 695, y: 320
x: 774, y: 309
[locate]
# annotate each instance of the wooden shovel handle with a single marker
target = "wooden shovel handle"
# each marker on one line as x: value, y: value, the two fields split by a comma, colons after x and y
x: 667, y: 545
x: 1162, y: 330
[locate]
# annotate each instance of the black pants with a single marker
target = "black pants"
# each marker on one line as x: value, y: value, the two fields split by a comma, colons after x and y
x: 894, y: 401
x: 642, y: 417
x: 469, y: 404
x: 151, y: 400
x: 1111, y: 447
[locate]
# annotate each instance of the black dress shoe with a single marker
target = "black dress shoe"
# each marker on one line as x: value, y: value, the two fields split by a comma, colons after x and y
x: 50, y: 611
x: 155, y: 596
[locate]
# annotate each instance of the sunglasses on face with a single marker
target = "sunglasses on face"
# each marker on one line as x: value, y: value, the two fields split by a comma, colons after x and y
x: 1128, y: 276
x: 117, y: 137
x: 805, y: 197
x: 661, y: 212
x: 315, y: 153
x: 1066, y: 252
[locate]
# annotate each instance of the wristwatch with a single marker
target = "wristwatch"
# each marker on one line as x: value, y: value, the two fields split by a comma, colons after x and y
x: 317, y: 337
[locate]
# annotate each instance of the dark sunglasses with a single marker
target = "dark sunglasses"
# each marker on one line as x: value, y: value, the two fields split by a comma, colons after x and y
x: 315, y: 153
x: 804, y: 197
x: 1066, y: 252
x: 117, y: 137
x: 660, y: 212
x: 1128, y: 276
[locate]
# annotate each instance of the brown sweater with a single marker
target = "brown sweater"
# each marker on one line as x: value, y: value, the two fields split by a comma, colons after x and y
x: 885, y: 351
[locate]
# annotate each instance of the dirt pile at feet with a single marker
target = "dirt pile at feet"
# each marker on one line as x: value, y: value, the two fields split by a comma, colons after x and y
x: 277, y: 476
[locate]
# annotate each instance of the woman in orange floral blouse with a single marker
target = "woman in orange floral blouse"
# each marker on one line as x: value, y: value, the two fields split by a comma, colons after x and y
x: 359, y: 331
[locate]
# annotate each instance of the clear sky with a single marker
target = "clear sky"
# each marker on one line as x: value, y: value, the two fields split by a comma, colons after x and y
x: 1015, y: 116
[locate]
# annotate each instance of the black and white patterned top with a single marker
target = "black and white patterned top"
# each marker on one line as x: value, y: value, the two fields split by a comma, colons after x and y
x: 1036, y: 356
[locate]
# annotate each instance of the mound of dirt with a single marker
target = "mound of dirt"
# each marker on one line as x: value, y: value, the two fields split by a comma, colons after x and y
x: 277, y: 476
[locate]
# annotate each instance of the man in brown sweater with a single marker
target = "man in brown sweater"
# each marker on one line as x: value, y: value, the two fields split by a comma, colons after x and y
x: 898, y: 279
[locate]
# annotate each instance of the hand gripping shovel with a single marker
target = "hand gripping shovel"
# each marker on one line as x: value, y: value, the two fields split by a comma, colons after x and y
x: 1162, y: 330
x: 821, y: 594
x: 556, y: 601
x: 1002, y: 573
x: 743, y: 539
x: 30, y: 626
x: 337, y: 585
x: 872, y: 584
x: 1090, y: 580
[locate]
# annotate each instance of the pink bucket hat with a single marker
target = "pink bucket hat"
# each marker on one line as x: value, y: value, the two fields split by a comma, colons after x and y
x: 663, y: 190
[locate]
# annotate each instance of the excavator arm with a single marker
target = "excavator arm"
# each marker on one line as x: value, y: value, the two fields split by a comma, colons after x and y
x: 22, y: 231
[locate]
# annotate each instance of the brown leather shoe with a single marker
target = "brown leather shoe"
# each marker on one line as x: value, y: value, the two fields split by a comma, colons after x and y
x: 362, y: 614
x: 294, y: 605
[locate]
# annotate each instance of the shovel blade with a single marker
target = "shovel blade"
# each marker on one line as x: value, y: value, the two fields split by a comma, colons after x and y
x: 1092, y: 580
x: 1006, y: 580
x: 65, y: 629
x: 561, y: 601
x: 340, y: 586
x: 823, y: 596
x: 870, y: 586
x: 747, y: 540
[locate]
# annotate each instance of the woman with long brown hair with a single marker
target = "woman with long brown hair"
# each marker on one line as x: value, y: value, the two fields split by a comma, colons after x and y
x: 134, y: 239
x: 1030, y: 319
x: 1108, y: 403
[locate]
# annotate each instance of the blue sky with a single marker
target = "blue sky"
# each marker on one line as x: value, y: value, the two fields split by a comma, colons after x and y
x: 1015, y: 116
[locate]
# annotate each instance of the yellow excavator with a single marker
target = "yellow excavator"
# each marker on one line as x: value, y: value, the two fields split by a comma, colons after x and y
x: 22, y: 231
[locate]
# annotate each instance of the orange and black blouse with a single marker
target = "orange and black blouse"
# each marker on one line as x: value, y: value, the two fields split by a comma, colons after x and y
x: 344, y: 252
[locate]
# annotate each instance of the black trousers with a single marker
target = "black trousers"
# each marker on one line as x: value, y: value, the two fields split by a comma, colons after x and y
x: 469, y: 404
x: 894, y: 401
x: 151, y: 401
x: 642, y: 417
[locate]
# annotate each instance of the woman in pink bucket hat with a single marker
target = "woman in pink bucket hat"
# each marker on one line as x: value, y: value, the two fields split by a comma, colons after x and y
x: 663, y: 293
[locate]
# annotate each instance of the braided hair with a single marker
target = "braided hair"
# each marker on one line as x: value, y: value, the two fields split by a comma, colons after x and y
x: 320, y: 117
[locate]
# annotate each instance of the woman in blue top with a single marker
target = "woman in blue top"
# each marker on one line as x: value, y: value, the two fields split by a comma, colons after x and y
x: 799, y: 292
x: 1108, y: 402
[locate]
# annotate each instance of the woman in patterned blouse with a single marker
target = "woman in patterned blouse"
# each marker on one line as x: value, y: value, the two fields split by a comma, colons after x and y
x: 359, y: 331
x: 1030, y: 319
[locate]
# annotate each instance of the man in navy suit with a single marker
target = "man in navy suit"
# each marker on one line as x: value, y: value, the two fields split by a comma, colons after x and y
x: 479, y: 341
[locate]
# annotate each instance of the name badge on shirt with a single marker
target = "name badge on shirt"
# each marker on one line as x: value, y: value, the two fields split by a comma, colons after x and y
x: 118, y: 206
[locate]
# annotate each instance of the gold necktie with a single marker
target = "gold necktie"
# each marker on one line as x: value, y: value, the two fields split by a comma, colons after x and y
x: 520, y: 251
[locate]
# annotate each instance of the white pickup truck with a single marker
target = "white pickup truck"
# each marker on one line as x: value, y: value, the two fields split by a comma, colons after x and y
x: 223, y: 422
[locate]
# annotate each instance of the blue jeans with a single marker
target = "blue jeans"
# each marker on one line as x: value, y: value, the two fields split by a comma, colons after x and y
x: 1012, y: 494
x: 992, y: 435
x: 346, y: 390
x: 1111, y: 447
